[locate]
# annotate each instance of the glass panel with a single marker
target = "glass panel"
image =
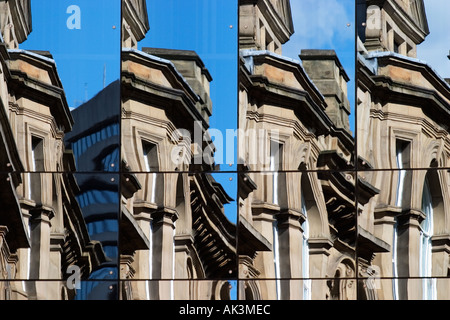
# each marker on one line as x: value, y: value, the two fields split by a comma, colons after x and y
x: 67, y: 231
x: 98, y: 200
x: 391, y: 114
x: 405, y: 241
x: 273, y: 101
x: 71, y: 288
x: 72, y: 48
x: 297, y: 241
x: 180, y: 290
x: 188, y: 80
x: 321, y: 289
x: 189, y: 232
x: 381, y: 288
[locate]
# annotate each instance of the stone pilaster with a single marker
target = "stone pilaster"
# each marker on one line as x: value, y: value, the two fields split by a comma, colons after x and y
x: 40, y: 252
x: 408, y: 246
x: 319, y: 251
x: 263, y: 219
x: 290, y: 251
x: 183, y: 246
x: 163, y: 252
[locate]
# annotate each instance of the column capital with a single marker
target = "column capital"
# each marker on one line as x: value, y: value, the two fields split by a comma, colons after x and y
x: 246, y: 268
x: 183, y: 242
x: 320, y: 246
x: 386, y: 214
x: 411, y: 217
x: 43, y: 213
x: 164, y: 215
x: 290, y: 218
x: 264, y: 211
x: 143, y: 207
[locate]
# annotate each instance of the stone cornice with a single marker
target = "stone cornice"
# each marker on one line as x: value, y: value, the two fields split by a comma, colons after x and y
x: 428, y: 127
x: 51, y: 95
x: 214, y: 233
x: 389, y: 58
x: 299, y: 129
x: 174, y: 77
x: 144, y: 91
x: 44, y: 118
x: 387, y: 90
x: 254, y: 58
x: 377, y: 60
x: 298, y: 100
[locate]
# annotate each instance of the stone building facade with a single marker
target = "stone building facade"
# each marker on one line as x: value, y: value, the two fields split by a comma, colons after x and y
x: 43, y: 235
x: 403, y: 132
x: 299, y: 153
x: 187, y: 246
x: 121, y: 189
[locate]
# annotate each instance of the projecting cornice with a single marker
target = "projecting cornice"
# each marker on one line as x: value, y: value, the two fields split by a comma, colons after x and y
x: 185, y: 55
x: 282, y: 81
x: 147, y: 77
x: 398, y: 79
x: 35, y: 77
x: 214, y: 233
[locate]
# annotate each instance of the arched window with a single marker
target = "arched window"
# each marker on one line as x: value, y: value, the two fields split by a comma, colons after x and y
x: 426, y: 233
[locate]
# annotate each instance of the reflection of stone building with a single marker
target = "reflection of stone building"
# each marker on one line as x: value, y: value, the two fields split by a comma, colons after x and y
x: 403, y: 123
x: 176, y: 218
x: 298, y: 149
x: 42, y: 231
x: 310, y: 226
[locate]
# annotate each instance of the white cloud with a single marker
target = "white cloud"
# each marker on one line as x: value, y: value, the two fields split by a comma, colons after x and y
x: 435, y: 48
x: 325, y: 24
x: 320, y: 24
